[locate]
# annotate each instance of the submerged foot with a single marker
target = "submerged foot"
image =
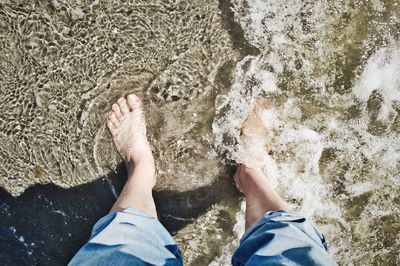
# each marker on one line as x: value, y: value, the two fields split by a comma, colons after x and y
x: 255, y: 136
x: 128, y: 129
x: 250, y: 179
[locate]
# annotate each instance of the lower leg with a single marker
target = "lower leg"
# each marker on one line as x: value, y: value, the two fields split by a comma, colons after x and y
x: 259, y: 193
x: 138, y: 194
x: 127, y: 126
x: 258, y: 190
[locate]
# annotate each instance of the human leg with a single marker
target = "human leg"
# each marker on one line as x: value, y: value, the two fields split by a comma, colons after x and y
x: 259, y: 194
x: 274, y: 235
x: 128, y: 129
x: 131, y: 234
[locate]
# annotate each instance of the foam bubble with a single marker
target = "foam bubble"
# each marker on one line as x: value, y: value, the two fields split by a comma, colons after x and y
x: 381, y: 73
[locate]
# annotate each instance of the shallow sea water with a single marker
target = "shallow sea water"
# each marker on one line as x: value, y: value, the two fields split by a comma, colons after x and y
x: 330, y: 71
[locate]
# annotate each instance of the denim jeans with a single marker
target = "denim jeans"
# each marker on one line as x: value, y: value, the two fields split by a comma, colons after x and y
x: 130, y: 237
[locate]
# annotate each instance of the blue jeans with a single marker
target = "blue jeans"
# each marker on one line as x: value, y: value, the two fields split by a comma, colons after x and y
x: 131, y: 237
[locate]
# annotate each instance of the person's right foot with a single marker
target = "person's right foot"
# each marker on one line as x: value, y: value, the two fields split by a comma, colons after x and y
x: 255, y: 137
x: 250, y: 179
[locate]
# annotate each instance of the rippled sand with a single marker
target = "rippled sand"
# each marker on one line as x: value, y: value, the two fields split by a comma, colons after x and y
x: 63, y: 65
x: 330, y: 68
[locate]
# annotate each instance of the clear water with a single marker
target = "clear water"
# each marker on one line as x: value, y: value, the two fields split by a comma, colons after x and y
x: 329, y: 69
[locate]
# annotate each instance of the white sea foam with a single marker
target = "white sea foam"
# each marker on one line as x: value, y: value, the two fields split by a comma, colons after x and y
x: 232, y: 109
x: 382, y: 73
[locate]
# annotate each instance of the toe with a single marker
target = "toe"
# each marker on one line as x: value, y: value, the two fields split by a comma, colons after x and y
x: 111, y: 127
x: 123, y: 105
x: 113, y: 118
x: 134, y: 101
x: 117, y: 110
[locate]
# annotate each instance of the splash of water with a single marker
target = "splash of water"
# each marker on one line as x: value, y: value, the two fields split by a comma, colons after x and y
x: 335, y: 115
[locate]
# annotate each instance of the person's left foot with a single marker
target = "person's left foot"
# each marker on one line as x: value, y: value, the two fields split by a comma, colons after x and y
x: 128, y: 129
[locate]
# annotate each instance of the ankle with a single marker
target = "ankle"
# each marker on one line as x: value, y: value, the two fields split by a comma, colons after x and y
x: 141, y: 176
x: 252, y: 181
x: 143, y: 164
x: 266, y: 198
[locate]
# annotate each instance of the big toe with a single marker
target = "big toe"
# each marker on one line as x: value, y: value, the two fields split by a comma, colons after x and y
x: 134, y: 102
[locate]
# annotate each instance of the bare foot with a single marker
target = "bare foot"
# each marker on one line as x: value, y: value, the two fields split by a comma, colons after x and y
x: 128, y: 129
x: 255, y: 137
x: 250, y: 179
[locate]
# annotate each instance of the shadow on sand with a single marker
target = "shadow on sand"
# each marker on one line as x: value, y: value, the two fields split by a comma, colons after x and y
x: 47, y: 225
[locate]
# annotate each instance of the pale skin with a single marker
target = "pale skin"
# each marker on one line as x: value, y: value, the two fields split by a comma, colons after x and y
x: 257, y: 188
x: 127, y: 126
